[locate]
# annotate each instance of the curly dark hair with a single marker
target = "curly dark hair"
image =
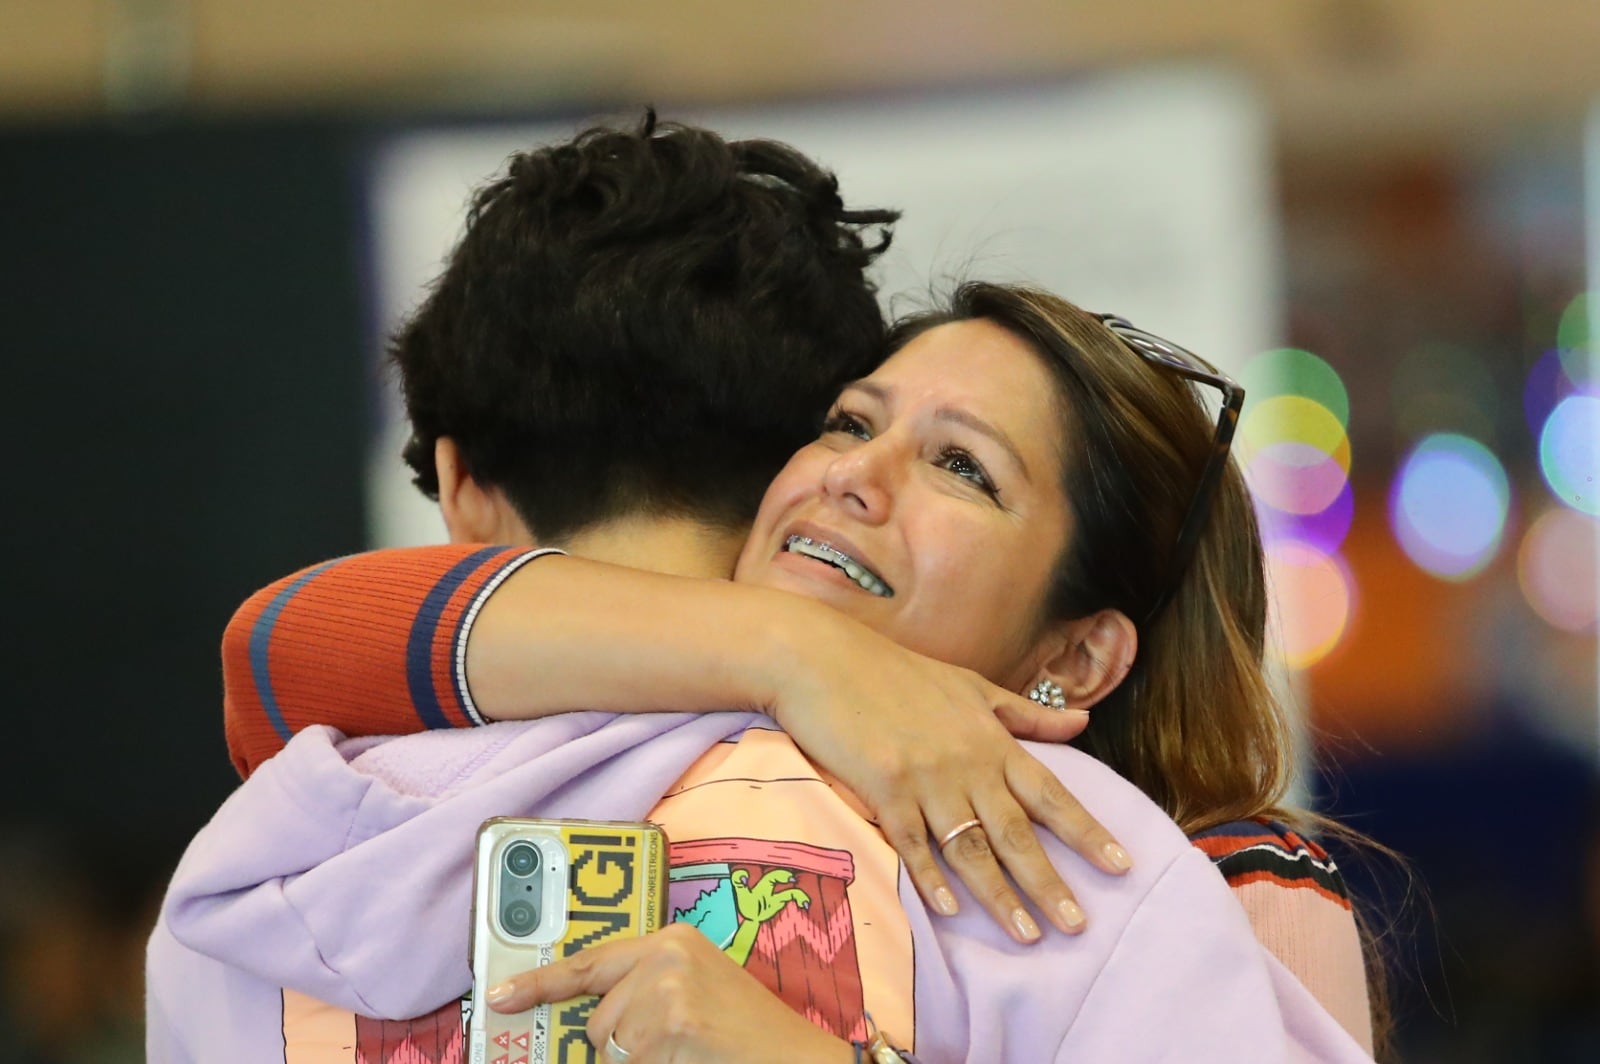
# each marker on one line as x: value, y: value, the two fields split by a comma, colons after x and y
x: 641, y: 320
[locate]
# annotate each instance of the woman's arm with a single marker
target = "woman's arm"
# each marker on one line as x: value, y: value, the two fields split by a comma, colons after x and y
x: 401, y: 640
x: 398, y: 641
x: 372, y: 644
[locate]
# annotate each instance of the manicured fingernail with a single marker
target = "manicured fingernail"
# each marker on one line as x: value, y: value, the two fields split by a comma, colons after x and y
x: 945, y: 901
x: 499, y: 993
x: 1117, y: 857
x: 1025, y: 925
x: 1071, y: 915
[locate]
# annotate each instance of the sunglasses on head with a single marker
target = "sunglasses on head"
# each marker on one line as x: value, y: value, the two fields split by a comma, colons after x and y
x: 1190, y: 366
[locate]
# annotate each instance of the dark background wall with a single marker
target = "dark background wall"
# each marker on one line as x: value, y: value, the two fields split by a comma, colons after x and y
x: 186, y: 379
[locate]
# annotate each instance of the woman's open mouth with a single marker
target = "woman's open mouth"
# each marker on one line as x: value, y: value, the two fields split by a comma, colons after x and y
x: 826, y: 552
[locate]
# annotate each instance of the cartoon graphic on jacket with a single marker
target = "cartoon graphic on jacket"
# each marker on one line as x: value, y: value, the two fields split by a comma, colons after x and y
x: 717, y: 899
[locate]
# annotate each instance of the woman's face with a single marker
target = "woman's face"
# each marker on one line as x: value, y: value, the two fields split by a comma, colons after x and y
x: 931, y: 508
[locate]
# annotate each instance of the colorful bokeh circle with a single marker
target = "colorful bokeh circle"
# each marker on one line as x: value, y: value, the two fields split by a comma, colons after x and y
x: 1298, y: 478
x: 1569, y: 452
x: 1293, y: 419
x: 1558, y: 569
x: 1449, y: 504
x: 1574, y: 340
x: 1291, y: 371
x: 1326, y: 529
x: 1318, y: 596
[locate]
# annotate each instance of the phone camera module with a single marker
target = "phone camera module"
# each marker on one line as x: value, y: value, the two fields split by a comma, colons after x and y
x: 522, y: 859
x: 519, y: 918
x: 519, y: 896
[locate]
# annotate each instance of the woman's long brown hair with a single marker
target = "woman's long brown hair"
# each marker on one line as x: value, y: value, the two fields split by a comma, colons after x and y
x: 1196, y: 725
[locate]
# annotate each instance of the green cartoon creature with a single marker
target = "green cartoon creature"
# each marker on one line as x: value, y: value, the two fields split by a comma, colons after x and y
x: 758, y: 905
x: 726, y: 908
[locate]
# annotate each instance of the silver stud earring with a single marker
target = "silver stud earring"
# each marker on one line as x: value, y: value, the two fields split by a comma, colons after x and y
x: 1048, y: 693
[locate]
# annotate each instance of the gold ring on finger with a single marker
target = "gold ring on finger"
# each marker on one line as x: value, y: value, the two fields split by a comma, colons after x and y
x: 964, y: 826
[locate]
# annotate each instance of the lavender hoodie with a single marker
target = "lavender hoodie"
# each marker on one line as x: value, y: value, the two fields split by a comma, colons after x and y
x: 342, y: 869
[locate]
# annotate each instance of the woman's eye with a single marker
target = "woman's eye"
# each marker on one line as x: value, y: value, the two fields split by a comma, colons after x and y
x: 967, y: 468
x: 850, y: 424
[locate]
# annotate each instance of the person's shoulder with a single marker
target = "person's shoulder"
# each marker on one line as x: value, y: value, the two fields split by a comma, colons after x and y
x: 1130, y: 814
x: 1258, y: 850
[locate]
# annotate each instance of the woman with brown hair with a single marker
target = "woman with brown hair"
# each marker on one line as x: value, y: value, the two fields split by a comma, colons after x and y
x: 1013, y: 501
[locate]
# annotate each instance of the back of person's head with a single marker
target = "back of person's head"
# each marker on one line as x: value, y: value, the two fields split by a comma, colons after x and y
x: 641, y: 321
x: 1195, y: 724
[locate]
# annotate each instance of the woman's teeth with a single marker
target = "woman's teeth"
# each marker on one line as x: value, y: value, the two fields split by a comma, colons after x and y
x: 824, y: 552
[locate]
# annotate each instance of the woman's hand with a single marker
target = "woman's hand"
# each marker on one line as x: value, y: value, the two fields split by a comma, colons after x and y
x: 673, y: 996
x: 929, y: 747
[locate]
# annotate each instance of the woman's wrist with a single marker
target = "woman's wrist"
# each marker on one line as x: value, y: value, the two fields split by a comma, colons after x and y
x: 795, y: 652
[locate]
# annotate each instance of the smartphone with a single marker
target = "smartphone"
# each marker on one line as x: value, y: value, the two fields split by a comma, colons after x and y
x: 542, y: 890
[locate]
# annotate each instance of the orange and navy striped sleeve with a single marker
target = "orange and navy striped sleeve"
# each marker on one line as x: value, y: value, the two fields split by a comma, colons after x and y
x: 1265, y: 851
x: 372, y: 644
x: 1299, y: 908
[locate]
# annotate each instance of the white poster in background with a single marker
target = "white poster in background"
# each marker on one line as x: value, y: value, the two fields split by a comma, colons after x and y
x: 1148, y: 193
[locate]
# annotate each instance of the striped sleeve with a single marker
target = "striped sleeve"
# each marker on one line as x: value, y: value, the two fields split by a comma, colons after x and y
x: 372, y: 644
x: 1300, y: 909
x: 1255, y: 851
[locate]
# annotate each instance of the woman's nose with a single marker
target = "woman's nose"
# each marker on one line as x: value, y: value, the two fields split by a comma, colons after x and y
x: 862, y: 479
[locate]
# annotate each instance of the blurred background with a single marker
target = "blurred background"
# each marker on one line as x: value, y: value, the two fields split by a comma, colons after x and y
x: 1383, y: 215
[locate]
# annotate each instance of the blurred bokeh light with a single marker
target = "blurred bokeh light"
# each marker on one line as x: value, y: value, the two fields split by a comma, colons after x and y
x: 1449, y: 504
x: 1556, y: 566
x: 1572, y: 341
x: 1291, y: 371
x: 1295, y: 419
x: 1317, y: 589
x: 1297, y: 478
x: 1324, y: 529
x: 1569, y: 452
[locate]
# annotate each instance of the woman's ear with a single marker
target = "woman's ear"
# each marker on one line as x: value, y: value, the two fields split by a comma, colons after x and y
x: 1091, y: 656
x: 472, y: 512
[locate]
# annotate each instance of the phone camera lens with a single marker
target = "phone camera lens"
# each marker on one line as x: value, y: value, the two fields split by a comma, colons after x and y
x: 520, y: 918
x: 522, y: 859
